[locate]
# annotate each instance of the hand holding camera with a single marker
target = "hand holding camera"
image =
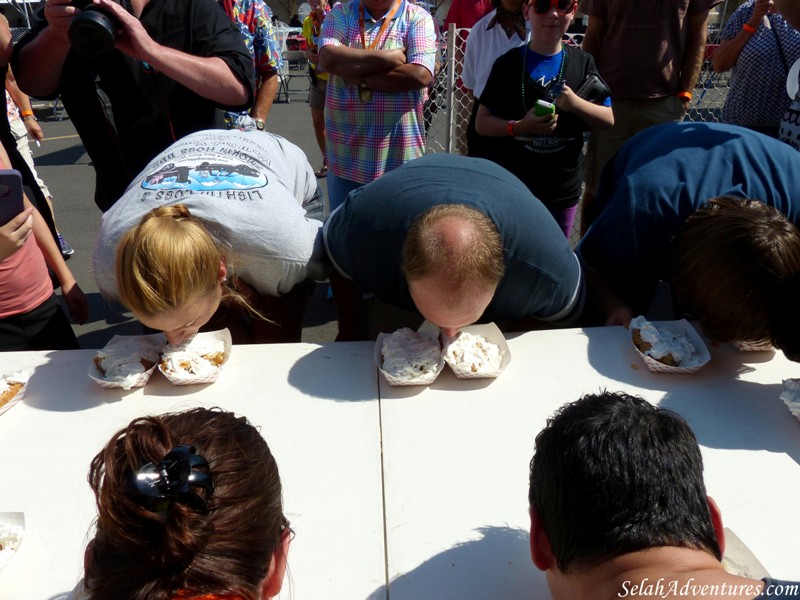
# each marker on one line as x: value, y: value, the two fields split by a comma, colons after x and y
x: 59, y: 15
x: 102, y: 25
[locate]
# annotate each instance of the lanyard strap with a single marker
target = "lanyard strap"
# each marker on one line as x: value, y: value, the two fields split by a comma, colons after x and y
x: 525, y: 71
x: 386, y: 20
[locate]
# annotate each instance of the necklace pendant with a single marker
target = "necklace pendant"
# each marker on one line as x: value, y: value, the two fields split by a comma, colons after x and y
x: 555, y: 90
x: 364, y: 93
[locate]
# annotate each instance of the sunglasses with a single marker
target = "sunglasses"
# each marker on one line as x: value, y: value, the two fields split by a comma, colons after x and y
x: 562, y: 7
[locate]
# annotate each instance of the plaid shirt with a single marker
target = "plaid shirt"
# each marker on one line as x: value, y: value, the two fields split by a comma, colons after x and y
x: 366, y: 139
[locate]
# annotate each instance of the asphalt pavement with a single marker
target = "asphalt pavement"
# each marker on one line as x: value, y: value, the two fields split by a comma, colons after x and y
x: 65, y: 167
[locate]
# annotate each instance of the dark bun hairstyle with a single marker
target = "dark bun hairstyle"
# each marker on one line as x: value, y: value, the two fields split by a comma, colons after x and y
x: 226, y: 549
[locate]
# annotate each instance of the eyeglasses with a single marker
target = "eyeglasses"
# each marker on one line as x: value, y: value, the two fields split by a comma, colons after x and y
x: 562, y: 7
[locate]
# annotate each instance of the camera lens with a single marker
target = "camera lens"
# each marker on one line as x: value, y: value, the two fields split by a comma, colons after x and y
x: 92, y: 33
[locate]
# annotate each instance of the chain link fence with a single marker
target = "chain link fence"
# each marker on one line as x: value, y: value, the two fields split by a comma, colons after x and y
x: 449, y: 105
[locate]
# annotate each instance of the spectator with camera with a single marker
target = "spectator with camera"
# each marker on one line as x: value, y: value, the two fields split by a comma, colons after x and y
x: 166, y: 69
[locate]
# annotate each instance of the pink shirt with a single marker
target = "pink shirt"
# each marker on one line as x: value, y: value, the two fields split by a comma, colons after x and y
x: 24, y: 282
x: 465, y: 13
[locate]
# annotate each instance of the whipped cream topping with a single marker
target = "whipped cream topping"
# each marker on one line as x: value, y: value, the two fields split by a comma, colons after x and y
x: 409, y: 355
x: 10, y: 537
x: 122, y: 360
x: 667, y: 340
x: 473, y: 353
x: 14, y: 377
x: 791, y: 395
x: 189, y: 358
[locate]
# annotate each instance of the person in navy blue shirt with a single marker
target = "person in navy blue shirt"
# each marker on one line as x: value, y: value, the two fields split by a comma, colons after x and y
x: 712, y: 209
x: 457, y: 240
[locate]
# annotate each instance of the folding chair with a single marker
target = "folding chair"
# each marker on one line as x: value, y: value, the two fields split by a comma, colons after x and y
x: 285, y: 74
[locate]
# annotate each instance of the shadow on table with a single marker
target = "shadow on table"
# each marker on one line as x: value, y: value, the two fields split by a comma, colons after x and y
x: 57, y: 386
x: 446, y: 381
x: 320, y: 372
x: 748, y: 416
x: 724, y: 410
x: 496, y: 566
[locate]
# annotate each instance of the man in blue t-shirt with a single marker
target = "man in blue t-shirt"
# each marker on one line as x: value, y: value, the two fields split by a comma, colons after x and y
x: 457, y: 240
x: 712, y: 209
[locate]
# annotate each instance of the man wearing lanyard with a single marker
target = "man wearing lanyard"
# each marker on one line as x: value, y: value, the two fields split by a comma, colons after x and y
x: 380, y: 54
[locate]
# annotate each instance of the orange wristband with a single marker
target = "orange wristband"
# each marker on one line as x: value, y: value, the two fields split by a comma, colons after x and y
x: 748, y: 28
x: 510, y: 128
x: 27, y: 113
x: 685, y: 96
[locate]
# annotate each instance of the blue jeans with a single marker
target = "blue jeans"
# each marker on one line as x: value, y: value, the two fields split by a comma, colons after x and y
x: 338, y: 189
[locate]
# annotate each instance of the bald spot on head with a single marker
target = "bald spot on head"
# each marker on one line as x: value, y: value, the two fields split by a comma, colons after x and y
x: 455, y: 243
x: 454, y: 236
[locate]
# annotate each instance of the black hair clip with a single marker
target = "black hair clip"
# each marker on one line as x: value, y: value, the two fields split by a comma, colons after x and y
x: 172, y: 480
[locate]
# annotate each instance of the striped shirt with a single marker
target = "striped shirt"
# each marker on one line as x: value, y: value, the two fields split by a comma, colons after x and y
x: 366, y: 139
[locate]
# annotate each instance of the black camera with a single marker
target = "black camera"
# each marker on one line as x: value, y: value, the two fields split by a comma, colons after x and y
x: 92, y: 32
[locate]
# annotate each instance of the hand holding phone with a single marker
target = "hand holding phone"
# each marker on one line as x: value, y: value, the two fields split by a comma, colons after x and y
x: 15, y: 233
x: 544, y: 108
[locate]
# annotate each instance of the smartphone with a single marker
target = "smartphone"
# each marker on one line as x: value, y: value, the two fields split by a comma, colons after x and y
x: 543, y: 107
x: 11, y: 203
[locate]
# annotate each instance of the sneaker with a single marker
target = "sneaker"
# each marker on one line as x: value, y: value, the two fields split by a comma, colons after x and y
x: 66, y: 249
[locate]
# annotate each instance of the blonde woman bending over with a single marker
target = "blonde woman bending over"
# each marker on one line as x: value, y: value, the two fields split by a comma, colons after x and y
x: 216, y: 232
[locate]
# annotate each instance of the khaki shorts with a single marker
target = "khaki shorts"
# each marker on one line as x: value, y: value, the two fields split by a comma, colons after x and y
x: 316, y: 93
x: 630, y: 117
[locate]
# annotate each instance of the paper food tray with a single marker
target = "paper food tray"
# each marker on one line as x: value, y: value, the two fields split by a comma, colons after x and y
x: 16, y: 377
x: 754, y: 346
x: 12, y: 528
x: 693, y: 337
x: 212, y: 376
x: 492, y: 334
x: 156, y: 339
x: 740, y: 560
x: 791, y: 396
x: 426, y: 379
